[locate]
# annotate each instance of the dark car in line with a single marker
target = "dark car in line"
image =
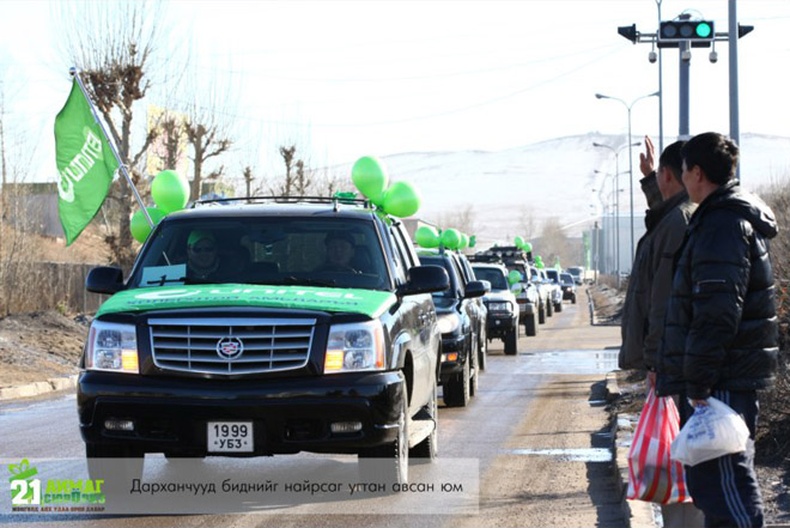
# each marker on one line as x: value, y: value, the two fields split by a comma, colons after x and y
x: 502, y: 319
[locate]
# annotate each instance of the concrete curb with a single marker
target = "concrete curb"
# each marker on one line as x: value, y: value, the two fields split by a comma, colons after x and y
x: 38, y: 388
x: 642, y: 514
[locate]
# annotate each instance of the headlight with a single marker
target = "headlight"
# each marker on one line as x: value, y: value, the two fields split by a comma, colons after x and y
x: 112, y: 347
x: 354, y: 347
x: 449, y: 323
x: 500, y: 307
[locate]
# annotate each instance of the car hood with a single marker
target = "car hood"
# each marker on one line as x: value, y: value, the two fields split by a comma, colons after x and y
x: 367, y: 302
x: 501, y: 295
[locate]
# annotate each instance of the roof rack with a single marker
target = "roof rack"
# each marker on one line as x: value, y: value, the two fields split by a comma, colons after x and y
x: 333, y: 200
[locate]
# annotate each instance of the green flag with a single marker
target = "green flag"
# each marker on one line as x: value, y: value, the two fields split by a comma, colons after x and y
x: 85, y: 163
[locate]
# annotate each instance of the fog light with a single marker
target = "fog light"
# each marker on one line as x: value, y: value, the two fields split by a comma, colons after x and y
x: 452, y: 356
x: 114, y: 424
x: 345, y: 427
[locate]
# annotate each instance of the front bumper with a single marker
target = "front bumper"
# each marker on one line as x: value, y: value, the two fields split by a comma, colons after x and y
x: 499, y: 324
x: 289, y: 415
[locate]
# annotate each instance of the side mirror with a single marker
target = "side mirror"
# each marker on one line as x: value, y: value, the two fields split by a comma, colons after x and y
x: 476, y: 289
x: 425, y: 279
x: 105, y: 279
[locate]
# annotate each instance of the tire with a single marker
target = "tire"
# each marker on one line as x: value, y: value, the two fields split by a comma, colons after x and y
x: 427, y: 450
x: 549, y: 308
x: 456, y: 390
x: 511, y: 343
x: 541, y: 314
x: 573, y: 299
x: 118, y: 466
x: 531, y: 325
x: 389, y: 463
x: 558, y: 307
x: 482, y: 354
x: 474, y: 372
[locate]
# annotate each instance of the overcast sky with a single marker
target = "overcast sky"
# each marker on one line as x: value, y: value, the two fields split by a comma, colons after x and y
x: 347, y: 79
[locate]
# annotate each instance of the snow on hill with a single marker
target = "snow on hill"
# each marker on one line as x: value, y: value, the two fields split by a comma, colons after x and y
x: 554, y: 178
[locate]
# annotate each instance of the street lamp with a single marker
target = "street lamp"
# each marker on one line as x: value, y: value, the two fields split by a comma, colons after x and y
x: 616, y: 153
x: 630, y: 154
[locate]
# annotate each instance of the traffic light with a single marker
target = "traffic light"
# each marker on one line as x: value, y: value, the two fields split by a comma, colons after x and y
x: 628, y: 32
x: 699, y: 32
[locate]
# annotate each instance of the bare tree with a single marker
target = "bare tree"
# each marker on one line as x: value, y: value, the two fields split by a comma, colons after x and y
x: 289, y: 183
x: 114, y: 44
x: 206, y: 144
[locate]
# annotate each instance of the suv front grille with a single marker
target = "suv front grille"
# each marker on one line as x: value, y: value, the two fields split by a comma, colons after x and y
x: 231, y: 346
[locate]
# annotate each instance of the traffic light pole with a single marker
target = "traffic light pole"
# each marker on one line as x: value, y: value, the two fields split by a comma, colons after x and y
x: 684, y: 98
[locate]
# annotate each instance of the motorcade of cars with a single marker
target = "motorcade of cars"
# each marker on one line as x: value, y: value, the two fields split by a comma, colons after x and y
x: 274, y: 353
x: 502, y: 317
x: 546, y: 289
x: 482, y: 331
x: 457, y: 315
x: 568, y: 287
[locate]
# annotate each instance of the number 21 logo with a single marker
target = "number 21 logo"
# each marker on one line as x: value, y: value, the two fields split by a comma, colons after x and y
x: 25, y: 492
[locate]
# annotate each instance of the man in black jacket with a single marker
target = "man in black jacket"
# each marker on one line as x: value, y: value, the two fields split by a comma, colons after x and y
x: 721, y: 330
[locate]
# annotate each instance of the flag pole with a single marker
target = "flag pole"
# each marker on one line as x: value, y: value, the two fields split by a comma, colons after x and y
x: 121, y: 165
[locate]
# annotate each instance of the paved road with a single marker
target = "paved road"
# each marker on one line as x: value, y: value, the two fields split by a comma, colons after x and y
x: 532, y: 449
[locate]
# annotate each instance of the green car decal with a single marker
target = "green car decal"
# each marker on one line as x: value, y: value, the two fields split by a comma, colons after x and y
x: 366, y: 302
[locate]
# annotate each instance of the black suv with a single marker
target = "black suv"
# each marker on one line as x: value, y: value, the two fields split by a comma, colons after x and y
x: 459, y: 321
x: 269, y: 350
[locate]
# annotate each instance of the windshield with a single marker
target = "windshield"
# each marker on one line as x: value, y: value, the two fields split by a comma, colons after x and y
x: 493, y: 275
x: 273, y: 250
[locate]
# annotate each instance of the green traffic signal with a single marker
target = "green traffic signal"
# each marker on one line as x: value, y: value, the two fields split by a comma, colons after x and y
x: 703, y: 30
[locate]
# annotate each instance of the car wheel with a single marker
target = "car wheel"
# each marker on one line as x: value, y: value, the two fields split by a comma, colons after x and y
x: 511, y: 343
x: 428, y: 449
x: 482, y: 355
x: 531, y: 325
x: 456, y: 390
x: 389, y: 463
x: 558, y: 307
x: 474, y: 375
x: 549, y: 308
x: 573, y: 299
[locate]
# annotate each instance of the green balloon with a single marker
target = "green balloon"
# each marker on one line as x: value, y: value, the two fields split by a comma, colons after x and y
x: 401, y: 199
x: 139, y: 224
x: 464, y: 241
x: 519, y: 242
x: 472, y: 240
x: 427, y: 237
x: 451, y: 238
x: 170, y: 191
x: 514, y: 277
x: 370, y: 178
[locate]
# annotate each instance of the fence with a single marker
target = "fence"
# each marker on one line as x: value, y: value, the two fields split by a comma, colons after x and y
x: 39, y: 286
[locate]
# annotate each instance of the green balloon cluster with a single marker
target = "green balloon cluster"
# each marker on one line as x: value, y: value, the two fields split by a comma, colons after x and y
x: 400, y: 199
x: 539, y: 262
x: 514, y: 277
x: 522, y: 244
x: 427, y: 237
x: 170, y: 192
x: 139, y: 224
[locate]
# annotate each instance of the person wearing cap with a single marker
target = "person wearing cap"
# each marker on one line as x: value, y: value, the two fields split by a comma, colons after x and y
x: 339, y: 252
x: 202, y: 258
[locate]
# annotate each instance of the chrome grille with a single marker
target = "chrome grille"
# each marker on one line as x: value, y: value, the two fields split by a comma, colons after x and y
x: 267, y: 344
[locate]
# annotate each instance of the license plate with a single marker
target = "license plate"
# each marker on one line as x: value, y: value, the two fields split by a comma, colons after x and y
x: 230, y: 437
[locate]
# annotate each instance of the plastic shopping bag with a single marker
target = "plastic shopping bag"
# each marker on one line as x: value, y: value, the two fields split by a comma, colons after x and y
x: 714, y: 430
x: 652, y: 474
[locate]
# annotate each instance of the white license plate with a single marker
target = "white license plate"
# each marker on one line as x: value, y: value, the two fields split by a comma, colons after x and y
x: 230, y: 437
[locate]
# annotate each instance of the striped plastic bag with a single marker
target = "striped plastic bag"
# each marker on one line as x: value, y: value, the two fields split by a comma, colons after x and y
x: 652, y: 475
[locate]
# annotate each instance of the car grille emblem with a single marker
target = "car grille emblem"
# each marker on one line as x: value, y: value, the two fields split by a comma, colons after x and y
x: 230, y: 348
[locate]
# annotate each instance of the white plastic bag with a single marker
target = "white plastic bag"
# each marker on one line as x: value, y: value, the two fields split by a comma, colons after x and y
x: 714, y: 430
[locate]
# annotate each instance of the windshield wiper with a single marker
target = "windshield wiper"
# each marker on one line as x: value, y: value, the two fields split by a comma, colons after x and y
x: 291, y: 280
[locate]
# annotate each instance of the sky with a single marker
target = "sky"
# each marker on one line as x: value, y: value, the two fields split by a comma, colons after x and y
x: 347, y: 79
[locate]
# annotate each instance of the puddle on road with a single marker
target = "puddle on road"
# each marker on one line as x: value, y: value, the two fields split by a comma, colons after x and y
x: 590, y: 454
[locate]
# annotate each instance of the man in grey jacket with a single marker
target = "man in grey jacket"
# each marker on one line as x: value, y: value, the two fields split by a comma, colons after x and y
x: 651, y: 281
